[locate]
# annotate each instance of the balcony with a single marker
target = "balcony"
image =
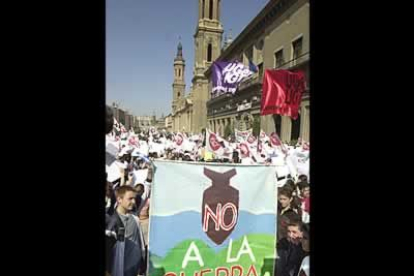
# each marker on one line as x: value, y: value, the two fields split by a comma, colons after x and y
x: 234, y: 107
x: 296, y: 62
x: 254, y: 79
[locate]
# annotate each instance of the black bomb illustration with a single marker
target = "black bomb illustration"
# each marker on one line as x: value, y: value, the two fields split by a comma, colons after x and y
x: 220, y: 206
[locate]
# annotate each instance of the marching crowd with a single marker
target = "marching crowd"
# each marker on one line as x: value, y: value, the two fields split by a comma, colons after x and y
x: 128, y: 189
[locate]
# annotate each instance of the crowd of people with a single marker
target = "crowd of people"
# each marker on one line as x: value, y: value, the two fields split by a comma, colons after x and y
x: 128, y: 189
x: 293, y: 226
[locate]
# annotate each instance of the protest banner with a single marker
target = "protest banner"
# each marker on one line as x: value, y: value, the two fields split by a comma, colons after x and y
x: 212, y: 218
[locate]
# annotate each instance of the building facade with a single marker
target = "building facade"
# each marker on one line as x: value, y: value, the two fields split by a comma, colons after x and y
x: 160, y: 123
x: 144, y: 122
x: 189, y: 112
x: 168, y: 123
x: 128, y: 120
x: 277, y: 38
x: 119, y: 114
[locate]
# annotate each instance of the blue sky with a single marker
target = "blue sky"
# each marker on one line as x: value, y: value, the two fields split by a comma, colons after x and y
x: 141, y: 43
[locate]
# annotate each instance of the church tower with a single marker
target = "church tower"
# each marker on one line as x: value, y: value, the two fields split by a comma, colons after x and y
x: 179, y: 81
x: 208, y: 37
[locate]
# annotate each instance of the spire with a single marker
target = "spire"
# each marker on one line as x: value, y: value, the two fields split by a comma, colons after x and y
x: 179, y: 56
x: 227, y: 39
x: 179, y: 49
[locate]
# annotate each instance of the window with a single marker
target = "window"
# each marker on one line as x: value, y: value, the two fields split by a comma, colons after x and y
x: 202, y: 9
x: 259, y: 45
x: 249, y: 53
x: 211, y: 9
x: 259, y: 51
x: 209, y: 52
x: 179, y: 72
x: 279, y: 60
x: 178, y: 94
x: 297, y: 48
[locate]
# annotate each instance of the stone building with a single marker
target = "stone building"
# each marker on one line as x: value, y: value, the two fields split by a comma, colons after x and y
x: 189, y: 112
x: 277, y: 38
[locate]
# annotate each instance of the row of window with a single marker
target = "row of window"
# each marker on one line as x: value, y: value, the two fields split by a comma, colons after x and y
x: 179, y: 72
x: 249, y: 51
x: 279, y: 59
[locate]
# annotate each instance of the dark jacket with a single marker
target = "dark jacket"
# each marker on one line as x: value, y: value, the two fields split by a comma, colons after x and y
x: 115, y: 224
x: 289, y: 259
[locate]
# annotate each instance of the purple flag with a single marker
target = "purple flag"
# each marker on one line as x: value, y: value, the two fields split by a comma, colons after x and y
x: 227, y: 76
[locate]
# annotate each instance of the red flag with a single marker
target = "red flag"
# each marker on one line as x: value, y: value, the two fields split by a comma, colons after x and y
x: 282, y: 92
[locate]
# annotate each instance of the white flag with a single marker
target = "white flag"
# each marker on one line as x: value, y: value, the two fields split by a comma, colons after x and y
x: 213, y: 145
